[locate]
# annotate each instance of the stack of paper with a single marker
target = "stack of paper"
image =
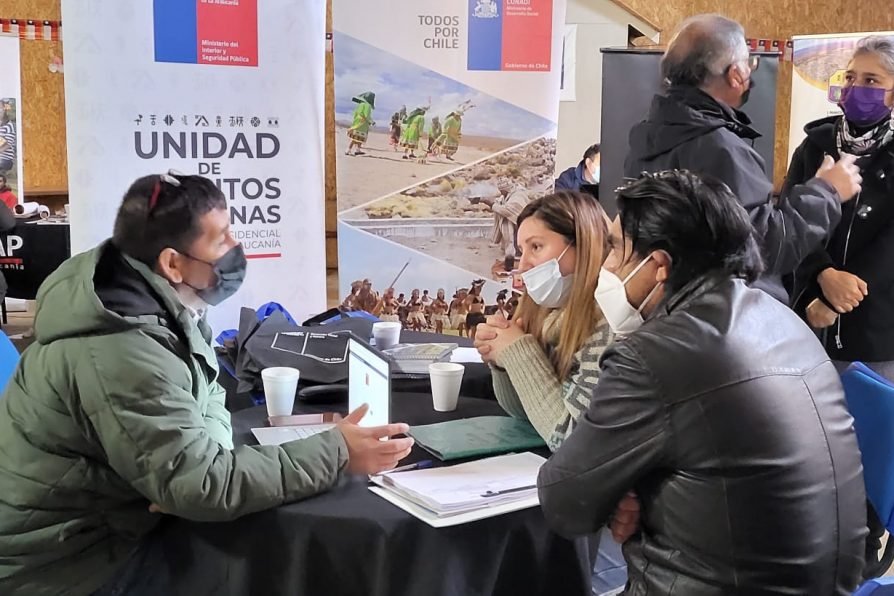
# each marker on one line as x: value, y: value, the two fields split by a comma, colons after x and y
x: 413, y: 359
x: 466, y: 356
x: 474, y: 490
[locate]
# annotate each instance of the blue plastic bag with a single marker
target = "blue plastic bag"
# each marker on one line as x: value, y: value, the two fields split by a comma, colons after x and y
x: 264, y: 311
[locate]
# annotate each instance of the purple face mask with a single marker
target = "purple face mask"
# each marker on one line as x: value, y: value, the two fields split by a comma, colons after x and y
x: 864, y: 106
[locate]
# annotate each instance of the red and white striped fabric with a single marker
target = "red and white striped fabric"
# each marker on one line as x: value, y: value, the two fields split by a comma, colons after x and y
x: 32, y: 29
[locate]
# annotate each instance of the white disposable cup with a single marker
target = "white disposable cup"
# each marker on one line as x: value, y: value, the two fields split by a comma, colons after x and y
x: 280, y: 386
x: 446, y: 379
x: 65, y: 207
x: 386, y: 334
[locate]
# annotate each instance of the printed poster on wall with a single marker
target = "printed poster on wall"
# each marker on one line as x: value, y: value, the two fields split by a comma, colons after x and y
x: 232, y: 90
x: 818, y: 77
x: 446, y: 115
x: 10, y: 119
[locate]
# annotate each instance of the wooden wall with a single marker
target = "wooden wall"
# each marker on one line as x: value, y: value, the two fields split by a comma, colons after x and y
x: 331, y: 204
x: 774, y: 19
x: 43, y: 103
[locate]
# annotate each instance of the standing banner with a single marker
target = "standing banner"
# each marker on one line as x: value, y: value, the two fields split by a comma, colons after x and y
x: 10, y: 119
x: 818, y: 77
x: 231, y: 90
x: 446, y: 115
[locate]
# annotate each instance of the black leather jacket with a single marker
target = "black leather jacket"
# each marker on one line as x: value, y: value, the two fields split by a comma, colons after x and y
x: 726, y: 417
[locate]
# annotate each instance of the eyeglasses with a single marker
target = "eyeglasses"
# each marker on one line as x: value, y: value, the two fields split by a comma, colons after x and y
x: 754, y: 62
x: 169, y: 178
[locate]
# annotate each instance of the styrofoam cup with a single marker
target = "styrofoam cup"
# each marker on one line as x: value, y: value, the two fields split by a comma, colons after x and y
x: 446, y: 380
x: 386, y: 334
x: 280, y: 386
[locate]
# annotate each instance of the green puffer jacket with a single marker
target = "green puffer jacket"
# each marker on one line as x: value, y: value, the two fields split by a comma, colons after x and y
x: 116, y: 406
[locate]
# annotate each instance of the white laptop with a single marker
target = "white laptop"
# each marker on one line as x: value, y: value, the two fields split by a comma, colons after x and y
x: 369, y: 382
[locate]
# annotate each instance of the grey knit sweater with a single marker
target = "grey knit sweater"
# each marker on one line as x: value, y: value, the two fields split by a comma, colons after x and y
x: 526, y: 385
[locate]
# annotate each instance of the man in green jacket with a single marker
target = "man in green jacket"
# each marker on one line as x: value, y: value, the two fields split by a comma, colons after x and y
x: 116, y: 410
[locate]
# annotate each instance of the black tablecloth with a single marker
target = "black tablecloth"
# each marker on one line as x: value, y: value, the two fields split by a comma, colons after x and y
x: 31, y: 252
x: 352, y: 542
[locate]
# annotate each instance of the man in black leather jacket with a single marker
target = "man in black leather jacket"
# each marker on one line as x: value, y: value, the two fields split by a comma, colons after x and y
x: 721, y: 412
x: 697, y: 125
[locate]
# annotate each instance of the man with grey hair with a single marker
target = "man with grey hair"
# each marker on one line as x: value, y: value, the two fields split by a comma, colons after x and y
x: 696, y: 125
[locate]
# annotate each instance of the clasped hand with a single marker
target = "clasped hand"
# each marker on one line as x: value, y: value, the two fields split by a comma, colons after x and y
x: 495, y: 335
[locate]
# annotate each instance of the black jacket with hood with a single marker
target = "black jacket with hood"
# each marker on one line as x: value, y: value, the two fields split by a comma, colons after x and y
x: 687, y: 129
x: 863, y: 244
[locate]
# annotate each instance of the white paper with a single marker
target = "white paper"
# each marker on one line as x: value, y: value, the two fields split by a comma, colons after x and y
x: 480, y: 484
x: 453, y: 520
x: 466, y: 356
x: 277, y: 435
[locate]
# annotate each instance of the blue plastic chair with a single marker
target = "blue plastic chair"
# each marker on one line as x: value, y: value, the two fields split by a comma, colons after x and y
x: 9, y: 358
x: 870, y: 398
x: 883, y: 586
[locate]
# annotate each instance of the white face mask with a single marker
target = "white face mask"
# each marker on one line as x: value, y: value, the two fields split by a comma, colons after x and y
x: 594, y: 174
x: 611, y: 295
x: 546, y: 285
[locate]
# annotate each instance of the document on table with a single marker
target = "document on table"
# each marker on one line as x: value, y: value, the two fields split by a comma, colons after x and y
x: 466, y: 492
x: 466, y: 356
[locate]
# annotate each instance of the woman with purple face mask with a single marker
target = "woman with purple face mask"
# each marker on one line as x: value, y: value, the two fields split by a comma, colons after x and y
x: 846, y: 290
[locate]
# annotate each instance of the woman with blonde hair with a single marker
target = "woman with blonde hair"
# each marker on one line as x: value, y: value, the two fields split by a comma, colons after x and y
x: 545, y: 361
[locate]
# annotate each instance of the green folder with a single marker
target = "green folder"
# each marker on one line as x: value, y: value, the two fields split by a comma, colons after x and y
x: 474, y: 437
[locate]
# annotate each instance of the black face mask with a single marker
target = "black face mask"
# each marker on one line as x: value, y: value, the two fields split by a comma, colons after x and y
x: 230, y: 271
x: 747, y: 94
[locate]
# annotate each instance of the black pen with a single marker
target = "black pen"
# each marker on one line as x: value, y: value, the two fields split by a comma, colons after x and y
x: 497, y: 493
x: 426, y: 463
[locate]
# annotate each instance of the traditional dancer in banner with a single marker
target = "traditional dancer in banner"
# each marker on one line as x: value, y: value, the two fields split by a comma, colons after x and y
x: 396, y: 120
x: 439, y: 312
x: 348, y: 304
x: 416, y: 318
x: 359, y: 131
x: 387, y: 307
x: 448, y: 143
x: 459, y: 310
x: 475, y: 304
x: 502, y: 309
x: 433, y: 133
x: 415, y: 126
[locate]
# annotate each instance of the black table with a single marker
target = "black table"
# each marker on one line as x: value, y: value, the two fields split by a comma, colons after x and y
x: 351, y: 542
x: 30, y: 253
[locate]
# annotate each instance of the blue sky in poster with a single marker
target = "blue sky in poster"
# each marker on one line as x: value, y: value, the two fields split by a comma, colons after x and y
x: 361, y: 67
